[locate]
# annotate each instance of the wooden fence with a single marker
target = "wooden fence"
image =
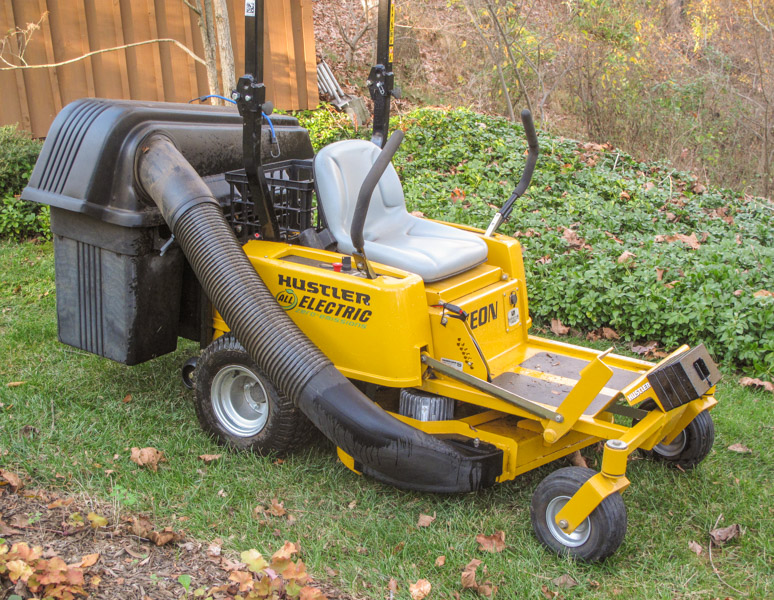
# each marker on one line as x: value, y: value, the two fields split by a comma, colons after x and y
x: 158, y: 71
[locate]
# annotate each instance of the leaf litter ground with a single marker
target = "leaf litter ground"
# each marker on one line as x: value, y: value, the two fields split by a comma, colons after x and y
x: 128, y: 566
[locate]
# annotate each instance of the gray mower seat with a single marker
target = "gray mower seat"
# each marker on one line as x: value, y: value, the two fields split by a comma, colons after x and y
x: 392, y: 236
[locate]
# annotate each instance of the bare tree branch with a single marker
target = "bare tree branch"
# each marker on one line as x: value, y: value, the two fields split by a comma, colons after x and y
x: 88, y: 54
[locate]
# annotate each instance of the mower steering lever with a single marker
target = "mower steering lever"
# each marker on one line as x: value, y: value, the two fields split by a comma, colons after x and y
x: 526, y: 176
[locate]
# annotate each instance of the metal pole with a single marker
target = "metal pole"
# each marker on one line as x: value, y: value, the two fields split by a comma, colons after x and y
x: 250, y: 97
x: 381, y: 79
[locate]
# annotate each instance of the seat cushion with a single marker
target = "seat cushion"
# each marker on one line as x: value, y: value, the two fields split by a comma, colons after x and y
x: 392, y: 236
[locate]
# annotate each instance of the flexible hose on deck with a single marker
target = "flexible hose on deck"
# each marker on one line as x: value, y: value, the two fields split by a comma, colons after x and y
x: 381, y: 445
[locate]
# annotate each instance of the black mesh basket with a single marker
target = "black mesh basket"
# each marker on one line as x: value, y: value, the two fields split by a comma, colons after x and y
x: 292, y: 187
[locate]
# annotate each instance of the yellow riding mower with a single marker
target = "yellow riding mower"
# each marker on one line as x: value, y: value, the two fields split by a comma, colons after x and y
x: 404, y: 340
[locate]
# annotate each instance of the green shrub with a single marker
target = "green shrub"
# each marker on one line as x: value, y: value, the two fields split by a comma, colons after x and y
x: 18, y: 153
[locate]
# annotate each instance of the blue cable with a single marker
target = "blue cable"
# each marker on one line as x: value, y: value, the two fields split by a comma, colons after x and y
x: 265, y: 116
x: 203, y: 98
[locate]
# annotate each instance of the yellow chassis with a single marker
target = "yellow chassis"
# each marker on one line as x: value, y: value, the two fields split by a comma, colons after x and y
x: 393, y: 331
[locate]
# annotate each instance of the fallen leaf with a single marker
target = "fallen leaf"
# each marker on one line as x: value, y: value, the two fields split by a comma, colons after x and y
x: 60, y: 502
x: 214, y: 549
x: 222, y: 493
x: 738, y: 293
x: 576, y: 458
x: 698, y: 188
x: 420, y: 589
x: 689, y: 240
x: 208, y: 458
x: 6, y: 529
x: 558, y: 328
x: 277, y: 508
x: 547, y: 593
x: 564, y: 581
x: 646, y: 349
x: 763, y: 294
x: 14, y: 384
x: 95, y: 581
x: 165, y: 536
x: 147, y: 457
x: 425, y: 520
x: 141, y: 527
x: 417, y: 213
x: 573, y: 239
x: 724, y: 534
x: 626, y: 256
x: 625, y: 195
x: 659, y: 274
x: 440, y: 561
x: 13, y: 480
x: 96, y: 520
x: 491, y: 543
x: 740, y: 448
x: 89, y: 560
x: 610, y: 334
x: 392, y: 585
x: 331, y: 572
x: 753, y: 382
x: 127, y: 399
x: 695, y: 547
x: 286, y: 552
x: 469, y: 574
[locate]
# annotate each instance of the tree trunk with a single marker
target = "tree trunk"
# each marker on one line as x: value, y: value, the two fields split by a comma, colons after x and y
x: 227, y: 69
x: 673, y: 14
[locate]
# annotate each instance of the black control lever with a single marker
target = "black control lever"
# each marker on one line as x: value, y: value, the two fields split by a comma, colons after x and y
x: 526, y: 176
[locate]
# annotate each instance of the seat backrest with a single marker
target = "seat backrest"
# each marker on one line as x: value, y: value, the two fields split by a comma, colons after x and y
x: 339, y: 171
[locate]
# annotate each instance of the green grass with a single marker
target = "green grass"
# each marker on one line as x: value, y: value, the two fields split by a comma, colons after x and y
x: 75, y: 402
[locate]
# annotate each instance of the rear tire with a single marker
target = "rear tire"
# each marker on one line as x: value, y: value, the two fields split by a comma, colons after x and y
x: 593, y: 540
x: 690, y: 447
x: 237, y: 404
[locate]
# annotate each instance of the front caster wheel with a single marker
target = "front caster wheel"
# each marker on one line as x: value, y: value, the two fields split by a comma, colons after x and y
x: 239, y: 406
x: 597, y: 537
x: 690, y: 447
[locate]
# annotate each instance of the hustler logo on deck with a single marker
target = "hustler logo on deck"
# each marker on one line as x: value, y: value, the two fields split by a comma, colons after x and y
x: 328, y: 302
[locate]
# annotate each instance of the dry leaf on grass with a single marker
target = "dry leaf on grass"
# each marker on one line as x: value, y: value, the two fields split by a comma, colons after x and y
x: 754, y: 382
x: 127, y: 399
x: 558, y: 328
x: 469, y: 574
x: 420, y: 589
x: 610, y: 334
x: 440, y: 561
x: 740, y: 448
x: 208, y: 458
x: 695, y: 547
x: 626, y: 256
x: 547, y: 593
x: 425, y: 520
x: 277, y: 508
x: 96, y: 520
x: 725, y: 534
x: 147, y: 457
x: 392, y: 585
x: 13, y: 384
x: 564, y: 581
x: 763, y: 294
x: 491, y: 543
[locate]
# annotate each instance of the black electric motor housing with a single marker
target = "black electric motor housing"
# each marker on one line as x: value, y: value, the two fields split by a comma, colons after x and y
x: 117, y: 295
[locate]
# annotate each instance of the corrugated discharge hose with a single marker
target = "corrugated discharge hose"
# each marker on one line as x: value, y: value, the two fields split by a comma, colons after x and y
x: 381, y: 445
